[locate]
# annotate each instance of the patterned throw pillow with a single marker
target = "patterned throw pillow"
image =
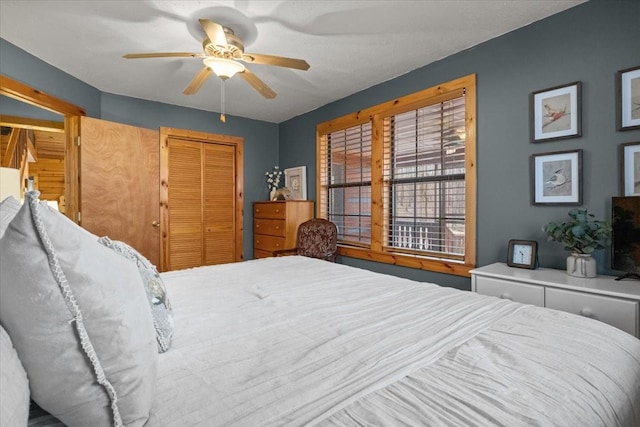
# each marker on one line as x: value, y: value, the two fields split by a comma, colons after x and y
x: 156, y: 291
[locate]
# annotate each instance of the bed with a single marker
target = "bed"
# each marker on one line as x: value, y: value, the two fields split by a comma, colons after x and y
x: 294, y: 341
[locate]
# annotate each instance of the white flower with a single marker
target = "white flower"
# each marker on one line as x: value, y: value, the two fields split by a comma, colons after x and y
x: 273, y: 178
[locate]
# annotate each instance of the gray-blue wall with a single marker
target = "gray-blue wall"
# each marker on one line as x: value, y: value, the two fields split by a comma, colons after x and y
x: 26, y: 68
x: 588, y: 43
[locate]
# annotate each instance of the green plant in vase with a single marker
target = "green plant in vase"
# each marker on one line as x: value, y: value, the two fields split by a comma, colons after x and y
x: 581, y: 234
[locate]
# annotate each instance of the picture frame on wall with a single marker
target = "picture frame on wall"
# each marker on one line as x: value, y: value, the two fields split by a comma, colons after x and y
x: 556, y: 178
x: 295, y: 179
x: 556, y: 113
x: 628, y: 99
x: 630, y: 169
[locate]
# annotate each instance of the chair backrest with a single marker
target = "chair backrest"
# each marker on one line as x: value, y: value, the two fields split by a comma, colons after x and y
x: 317, y: 238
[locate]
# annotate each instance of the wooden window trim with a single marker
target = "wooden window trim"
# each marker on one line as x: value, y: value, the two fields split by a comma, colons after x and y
x: 376, y: 115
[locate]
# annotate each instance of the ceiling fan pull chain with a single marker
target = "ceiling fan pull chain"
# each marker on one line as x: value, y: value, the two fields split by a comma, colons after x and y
x: 223, y: 119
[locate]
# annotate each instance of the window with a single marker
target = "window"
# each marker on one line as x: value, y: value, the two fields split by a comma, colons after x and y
x: 349, y: 186
x: 398, y: 179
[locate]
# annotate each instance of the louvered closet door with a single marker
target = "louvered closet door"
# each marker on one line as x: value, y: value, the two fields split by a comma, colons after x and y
x: 185, y: 204
x: 201, y: 200
x: 219, y: 203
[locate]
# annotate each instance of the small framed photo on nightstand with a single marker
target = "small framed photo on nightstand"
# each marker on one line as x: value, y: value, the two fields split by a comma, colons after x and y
x: 523, y: 254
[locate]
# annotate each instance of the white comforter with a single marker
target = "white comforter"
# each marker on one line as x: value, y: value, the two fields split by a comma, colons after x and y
x: 297, y: 341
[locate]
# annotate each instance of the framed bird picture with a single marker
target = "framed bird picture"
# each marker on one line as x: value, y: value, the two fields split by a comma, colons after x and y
x: 630, y: 169
x: 628, y: 99
x: 556, y: 113
x: 556, y: 178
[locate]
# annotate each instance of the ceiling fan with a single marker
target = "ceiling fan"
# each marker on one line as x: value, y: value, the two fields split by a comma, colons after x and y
x: 222, y: 50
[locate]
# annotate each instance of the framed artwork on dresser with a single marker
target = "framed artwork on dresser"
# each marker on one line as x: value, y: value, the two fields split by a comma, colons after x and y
x: 295, y: 179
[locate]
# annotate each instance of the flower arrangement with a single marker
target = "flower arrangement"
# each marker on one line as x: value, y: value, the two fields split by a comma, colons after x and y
x: 273, y: 178
x: 581, y: 234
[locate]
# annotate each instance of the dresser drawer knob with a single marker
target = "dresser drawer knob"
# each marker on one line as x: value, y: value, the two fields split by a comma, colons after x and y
x: 506, y: 295
x: 586, y: 312
x: 257, y: 225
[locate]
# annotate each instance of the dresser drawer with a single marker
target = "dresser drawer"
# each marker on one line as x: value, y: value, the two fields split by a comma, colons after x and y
x: 257, y: 253
x: 267, y: 243
x: 269, y: 210
x: 520, y: 292
x: 620, y: 313
x: 272, y: 227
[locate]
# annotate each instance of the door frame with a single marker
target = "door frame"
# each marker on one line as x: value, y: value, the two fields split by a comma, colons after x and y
x: 203, y: 137
x: 22, y: 92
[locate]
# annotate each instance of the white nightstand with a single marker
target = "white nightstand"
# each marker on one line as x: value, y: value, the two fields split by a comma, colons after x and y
x: 614, y: 302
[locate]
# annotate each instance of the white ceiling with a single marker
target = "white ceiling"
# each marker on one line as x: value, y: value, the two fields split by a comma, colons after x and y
x: 350, y: 45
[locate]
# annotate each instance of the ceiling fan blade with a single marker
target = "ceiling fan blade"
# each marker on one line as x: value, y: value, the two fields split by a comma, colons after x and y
x: 198, y: 81
x: 214, y: 31
x: 280, y: 61
x: 257, y: 84
x: 163, y: 55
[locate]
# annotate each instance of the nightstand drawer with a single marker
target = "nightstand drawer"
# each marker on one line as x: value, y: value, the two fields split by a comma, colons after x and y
x: 620, y: 313
x: 269, y: 210
x: 267, y: 243
x: 526, y: 294
x: 272, y: 227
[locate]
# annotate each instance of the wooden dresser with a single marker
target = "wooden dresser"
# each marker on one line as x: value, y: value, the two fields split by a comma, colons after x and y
x: 275, y: 224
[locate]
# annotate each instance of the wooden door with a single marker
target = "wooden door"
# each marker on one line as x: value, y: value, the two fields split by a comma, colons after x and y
x: 119, y: 184
x: 201, y: 199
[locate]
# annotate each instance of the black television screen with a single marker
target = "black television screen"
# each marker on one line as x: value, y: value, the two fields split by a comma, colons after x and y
x: 625, y: 248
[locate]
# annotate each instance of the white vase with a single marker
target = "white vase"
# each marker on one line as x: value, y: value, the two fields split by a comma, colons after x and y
x: 272, y: 194
x: 581, y: 265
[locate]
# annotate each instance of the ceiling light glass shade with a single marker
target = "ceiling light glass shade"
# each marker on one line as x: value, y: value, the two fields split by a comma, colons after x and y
x: 224, y: 68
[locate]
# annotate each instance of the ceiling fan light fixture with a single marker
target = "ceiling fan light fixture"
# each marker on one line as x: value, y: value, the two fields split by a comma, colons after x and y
x: 224, y: 68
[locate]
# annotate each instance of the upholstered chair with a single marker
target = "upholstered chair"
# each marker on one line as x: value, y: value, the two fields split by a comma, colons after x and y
x: 316, y: 238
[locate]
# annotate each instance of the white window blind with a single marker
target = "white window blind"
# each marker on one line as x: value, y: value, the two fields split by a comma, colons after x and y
x: 349, y: 186
x: 424, y: 179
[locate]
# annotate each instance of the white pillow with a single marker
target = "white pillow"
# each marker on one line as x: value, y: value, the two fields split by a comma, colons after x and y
x: 79, y: 319
x: 14, y: 404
